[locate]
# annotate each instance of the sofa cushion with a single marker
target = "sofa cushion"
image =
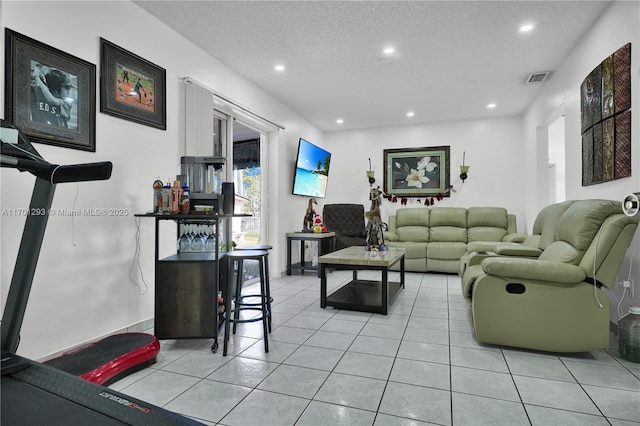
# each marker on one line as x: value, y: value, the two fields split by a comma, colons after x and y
x: 547, y: 221
x: 412, y: 217
x: 446, y: 250
x: 577, y: 229
x: 413, y: 233
x: 448, y: 224
x: 486, y: 233
x: 494, y: 217
x: 487, y: 223
x: 561, y: 251
x: 413, y: 250
x: 445, y: 266
x: 448, y: 234
x: 591, y: 214
x: 448, y: 216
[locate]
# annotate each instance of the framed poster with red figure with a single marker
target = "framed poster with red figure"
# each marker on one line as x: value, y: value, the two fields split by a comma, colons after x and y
x: 131, y: 87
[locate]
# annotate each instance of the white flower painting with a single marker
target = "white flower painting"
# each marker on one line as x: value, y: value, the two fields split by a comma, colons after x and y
x: 416, y: 172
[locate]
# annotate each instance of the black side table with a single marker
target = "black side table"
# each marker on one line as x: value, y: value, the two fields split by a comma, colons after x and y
x: 326, y: 244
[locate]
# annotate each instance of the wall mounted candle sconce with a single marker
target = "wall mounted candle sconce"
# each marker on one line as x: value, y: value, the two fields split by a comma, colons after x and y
x: 464, y: 170
x: 370, y: 174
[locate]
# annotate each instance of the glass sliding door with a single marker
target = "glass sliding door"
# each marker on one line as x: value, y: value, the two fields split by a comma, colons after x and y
x: 245, y: 139
x: 247, y: 178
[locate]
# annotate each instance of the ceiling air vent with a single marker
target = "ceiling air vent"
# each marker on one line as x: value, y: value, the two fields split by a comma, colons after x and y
x: 538, y: 77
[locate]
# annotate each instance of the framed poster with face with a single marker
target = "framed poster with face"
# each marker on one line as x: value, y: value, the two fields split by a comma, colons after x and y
x: 50, y: 94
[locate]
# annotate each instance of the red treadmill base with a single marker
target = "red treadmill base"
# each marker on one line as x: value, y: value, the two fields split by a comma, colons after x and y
x: 110, y: 359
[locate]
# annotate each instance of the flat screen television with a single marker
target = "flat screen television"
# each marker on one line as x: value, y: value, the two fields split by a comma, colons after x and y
x: 312, y: 170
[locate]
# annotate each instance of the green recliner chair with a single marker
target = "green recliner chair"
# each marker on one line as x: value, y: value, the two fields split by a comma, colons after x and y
x: 553, y: 302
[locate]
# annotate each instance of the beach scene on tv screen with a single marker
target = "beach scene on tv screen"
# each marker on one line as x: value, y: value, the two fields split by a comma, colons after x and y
x: 312, y: 171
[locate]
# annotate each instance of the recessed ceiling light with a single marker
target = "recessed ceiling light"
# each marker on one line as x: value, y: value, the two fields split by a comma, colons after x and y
x: 339, y: 121
x: 279, y: 68
x: 411, y: 114
x: 526, y: 28
x: 388, y: 50
x: 491, y: 106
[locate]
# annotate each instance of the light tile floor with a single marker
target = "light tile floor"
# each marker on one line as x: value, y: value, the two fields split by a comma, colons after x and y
x: 418, y: 365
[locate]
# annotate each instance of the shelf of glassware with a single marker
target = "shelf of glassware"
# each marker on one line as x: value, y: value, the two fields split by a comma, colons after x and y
x: 196, y: 234
x: 200, y: 239
x: 187, y: 282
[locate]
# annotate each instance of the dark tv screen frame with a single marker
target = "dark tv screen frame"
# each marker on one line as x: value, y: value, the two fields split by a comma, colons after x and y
x: 311, y: 173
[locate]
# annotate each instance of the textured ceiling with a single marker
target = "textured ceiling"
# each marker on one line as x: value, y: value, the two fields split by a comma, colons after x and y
x: 452, y: 57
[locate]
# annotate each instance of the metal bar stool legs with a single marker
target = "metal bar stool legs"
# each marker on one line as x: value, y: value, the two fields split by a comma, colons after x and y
x: 231, y: 315
x: 240, y: 298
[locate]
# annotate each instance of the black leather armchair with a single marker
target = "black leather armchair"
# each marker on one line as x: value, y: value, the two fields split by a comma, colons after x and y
x: 347, y: 221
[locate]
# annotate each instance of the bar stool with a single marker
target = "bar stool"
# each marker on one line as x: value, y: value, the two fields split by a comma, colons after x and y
x: 239, y: 299
x: 231, y: 315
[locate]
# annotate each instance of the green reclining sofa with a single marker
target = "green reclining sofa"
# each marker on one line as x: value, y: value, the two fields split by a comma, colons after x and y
x: 554, y: 301
x: 436, y: 238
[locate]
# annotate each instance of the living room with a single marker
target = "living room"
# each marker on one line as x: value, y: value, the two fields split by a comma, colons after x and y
x: 89, y: 259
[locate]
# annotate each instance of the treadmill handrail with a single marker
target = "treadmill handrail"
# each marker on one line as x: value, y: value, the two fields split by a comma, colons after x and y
x: 82, y: 172
x: 55, y: 173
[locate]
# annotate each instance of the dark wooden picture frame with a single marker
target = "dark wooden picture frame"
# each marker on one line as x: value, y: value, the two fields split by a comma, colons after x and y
x: 50, y: 94
x: 131, y: 87
x: 605, y: 109
x: 417, y: 172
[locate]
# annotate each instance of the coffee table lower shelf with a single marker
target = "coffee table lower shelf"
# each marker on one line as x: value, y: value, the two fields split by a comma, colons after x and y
x: 362, y: 295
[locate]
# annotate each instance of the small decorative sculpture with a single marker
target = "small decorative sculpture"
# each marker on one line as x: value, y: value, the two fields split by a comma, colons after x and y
x: 375, y: 228
x: 375, y: 196
x: 307, y: 223
x: 375, y: 225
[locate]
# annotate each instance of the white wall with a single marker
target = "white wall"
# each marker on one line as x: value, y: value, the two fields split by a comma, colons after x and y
x: 82, y: 288
x: 619, y: 25
x: 493, y: 151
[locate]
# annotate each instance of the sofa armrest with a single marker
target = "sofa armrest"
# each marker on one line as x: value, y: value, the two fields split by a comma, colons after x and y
x: 476, y: 257
x: 390, y: 236
x: 517, y: 250
x: 532, y: 269
x: 514, y: 237
x: 512, y: 226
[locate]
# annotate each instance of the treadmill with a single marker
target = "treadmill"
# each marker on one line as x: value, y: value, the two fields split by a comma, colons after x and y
x: 33, y: 393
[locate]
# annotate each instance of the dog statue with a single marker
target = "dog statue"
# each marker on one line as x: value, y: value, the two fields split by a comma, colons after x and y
x: 307, y: 223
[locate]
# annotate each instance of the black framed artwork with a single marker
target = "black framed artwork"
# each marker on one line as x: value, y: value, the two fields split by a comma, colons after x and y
x: 131, y: 87
x: 417, y: 172
x: 50, y: 94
